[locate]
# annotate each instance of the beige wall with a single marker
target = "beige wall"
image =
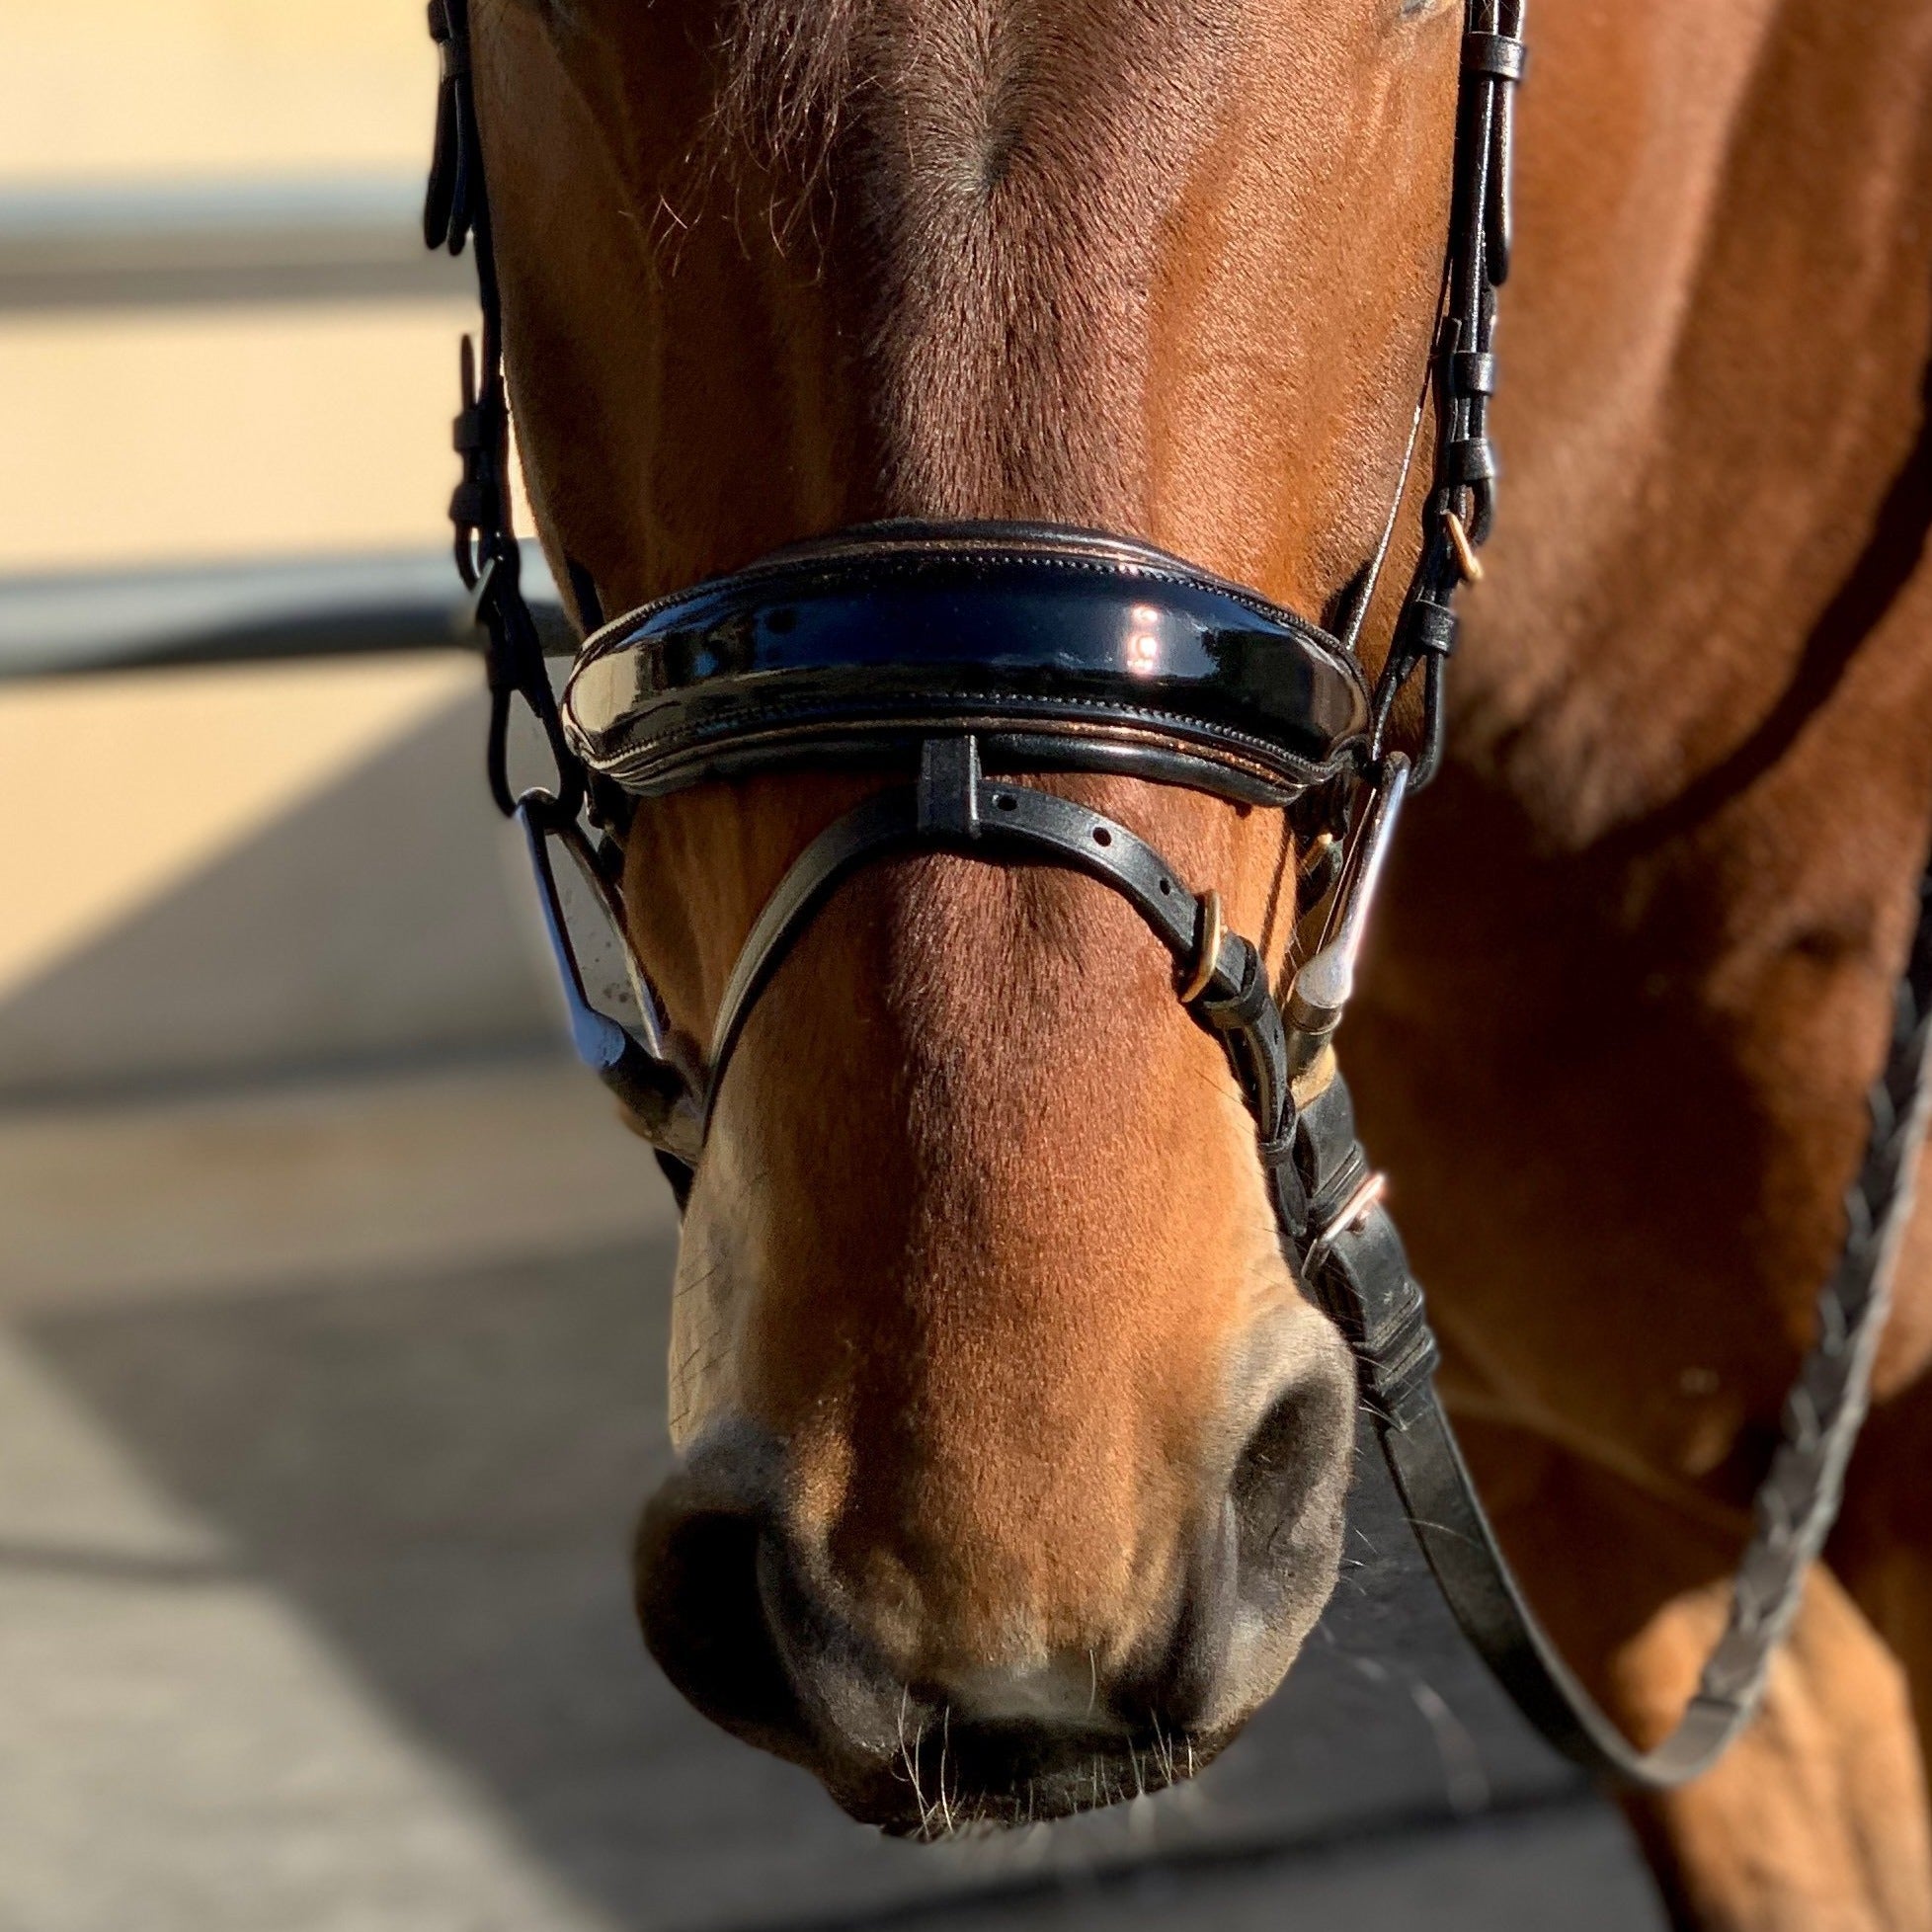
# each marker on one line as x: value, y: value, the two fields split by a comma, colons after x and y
x: 111, y: 88
x: 205, y: 433
x: 249, y: 867
x: 219, y: 432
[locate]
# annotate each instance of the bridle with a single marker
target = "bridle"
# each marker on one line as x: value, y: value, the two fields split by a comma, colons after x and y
x: 970, y: 655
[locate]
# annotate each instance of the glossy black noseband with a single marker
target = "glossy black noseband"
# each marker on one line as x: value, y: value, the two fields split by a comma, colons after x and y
x: 955, y: 650
x: 1061, y: 649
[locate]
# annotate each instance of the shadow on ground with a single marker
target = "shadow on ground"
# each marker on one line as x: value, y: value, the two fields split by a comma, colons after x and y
x: 370, y: 923
x: 438, y: 1474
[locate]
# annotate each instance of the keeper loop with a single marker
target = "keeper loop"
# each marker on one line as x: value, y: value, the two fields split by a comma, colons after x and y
x: 1501, y: 56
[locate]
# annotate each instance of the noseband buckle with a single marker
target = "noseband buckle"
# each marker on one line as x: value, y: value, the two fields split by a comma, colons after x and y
x: 1207, y: 950
x: 1346, y: 1217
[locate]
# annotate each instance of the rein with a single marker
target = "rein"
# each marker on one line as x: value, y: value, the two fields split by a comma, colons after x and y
x: 975, y: 653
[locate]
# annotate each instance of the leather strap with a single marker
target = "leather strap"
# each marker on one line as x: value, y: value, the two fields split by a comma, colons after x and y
x: 456, y: 214
x: 953, y: 807
x: 1362, y: 1278
x: 1463, y: 486
x: 489, y: 559
x: 1060, y: 649
x: 638, y: 1071
x: 1345, y: 1247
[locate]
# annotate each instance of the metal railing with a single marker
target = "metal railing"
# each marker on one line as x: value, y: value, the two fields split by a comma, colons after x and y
x: 212, y: 243
x: 248, y: 613
x: 329, y: 238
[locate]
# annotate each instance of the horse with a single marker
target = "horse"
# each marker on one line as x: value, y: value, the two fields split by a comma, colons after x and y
x: 1011, y: 1454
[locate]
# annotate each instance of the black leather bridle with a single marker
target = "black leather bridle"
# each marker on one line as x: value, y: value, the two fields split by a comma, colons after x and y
x: 970, y: 655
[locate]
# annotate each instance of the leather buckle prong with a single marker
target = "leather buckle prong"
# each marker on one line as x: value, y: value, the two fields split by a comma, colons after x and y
x: 1467, y: 561
x: 1207, y: 949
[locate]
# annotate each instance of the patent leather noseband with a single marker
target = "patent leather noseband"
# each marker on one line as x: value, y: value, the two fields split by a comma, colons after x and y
x: 1062, y: 649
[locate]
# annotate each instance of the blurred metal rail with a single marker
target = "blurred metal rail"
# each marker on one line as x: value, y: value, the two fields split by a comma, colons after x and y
x: 348, y: 237
x: 246, y: 613
x: 118, y: 245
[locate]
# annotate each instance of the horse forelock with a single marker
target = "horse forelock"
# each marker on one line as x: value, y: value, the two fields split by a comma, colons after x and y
x: 787, y: 68
x: 990, y: 181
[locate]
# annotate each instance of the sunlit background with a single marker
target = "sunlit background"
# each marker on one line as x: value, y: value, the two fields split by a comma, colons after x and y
x: 331, y: 1298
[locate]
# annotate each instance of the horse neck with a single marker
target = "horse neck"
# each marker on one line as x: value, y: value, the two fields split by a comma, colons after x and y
x: 1716, y: 411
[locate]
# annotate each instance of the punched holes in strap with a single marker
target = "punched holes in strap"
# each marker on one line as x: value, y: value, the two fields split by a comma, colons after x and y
x: 953, y: 806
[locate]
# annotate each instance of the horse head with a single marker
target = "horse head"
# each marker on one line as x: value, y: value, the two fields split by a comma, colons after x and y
x: 1012, y: 1455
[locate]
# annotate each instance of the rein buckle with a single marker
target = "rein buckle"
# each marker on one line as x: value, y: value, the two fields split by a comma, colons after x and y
x: 1346, y: 1217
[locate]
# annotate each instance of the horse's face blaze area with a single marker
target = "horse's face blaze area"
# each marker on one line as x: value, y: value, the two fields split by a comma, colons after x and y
x: 1011, y: 1458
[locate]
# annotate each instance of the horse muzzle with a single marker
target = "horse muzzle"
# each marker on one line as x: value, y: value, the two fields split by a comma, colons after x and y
x: 922, y: 1732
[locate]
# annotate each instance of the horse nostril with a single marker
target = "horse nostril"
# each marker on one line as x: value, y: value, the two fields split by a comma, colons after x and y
x: 703, y: 1619
x: 1288, y: 1483
x: 731, y: 1619
x: 1263, y: 1558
